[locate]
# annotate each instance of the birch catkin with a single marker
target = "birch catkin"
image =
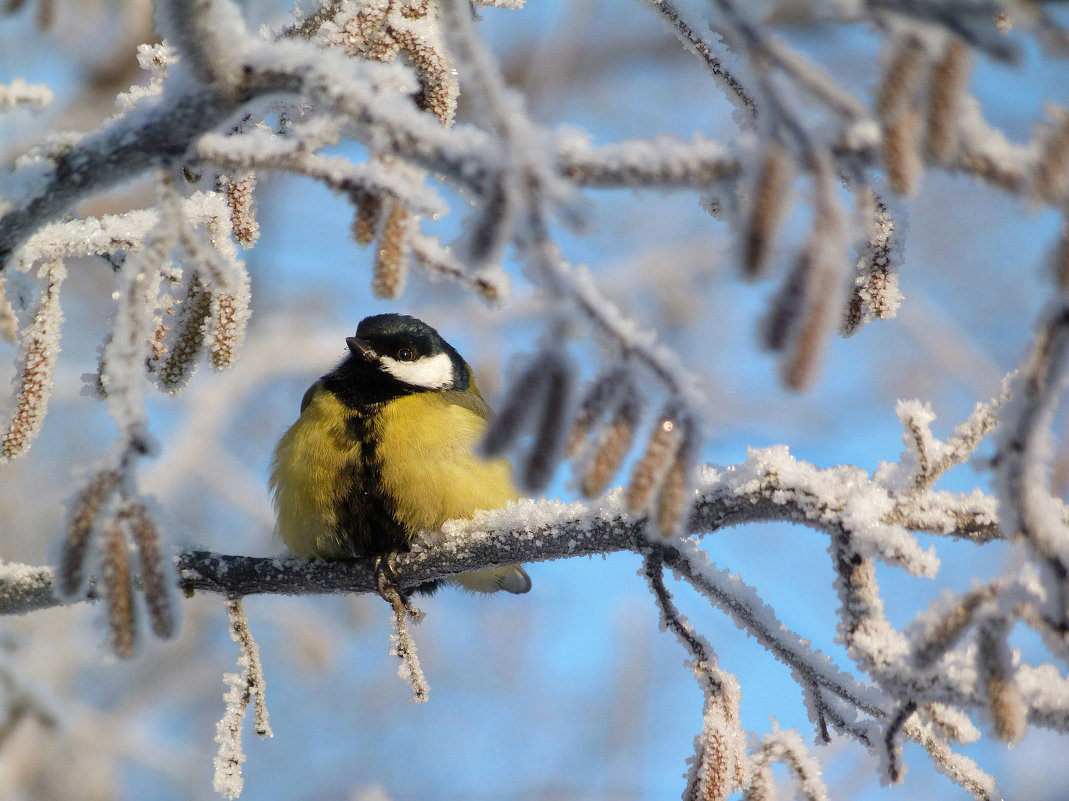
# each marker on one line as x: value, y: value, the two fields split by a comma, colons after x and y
x: 388, y: 279
x: 35, y: 366
x: 552, y: 423
x: 995, y: 666
x: 229, y: 317
x: 119, y: 593
x: 156, y: 573
x: 1052, y: 168
x: 896, y: 106
x: 770, y: 200
x: 946, y: 90
x: 902, y: 153
x: 649, y: 473
x: 187, y: 340
x: 9, y: 324
x: 596, y: 403
x: 240, y: 198
x: 903, y: 73
x: 675, y: 496
x: 71, y: 575
x: 367, y: 217
x: 613, y: 443
x: 516, y: 411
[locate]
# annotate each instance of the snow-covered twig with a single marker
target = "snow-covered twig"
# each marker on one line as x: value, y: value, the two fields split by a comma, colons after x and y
x: 242, y: 688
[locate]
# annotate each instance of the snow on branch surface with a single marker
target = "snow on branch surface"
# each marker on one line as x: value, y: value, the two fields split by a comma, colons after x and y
x: 225, y: 104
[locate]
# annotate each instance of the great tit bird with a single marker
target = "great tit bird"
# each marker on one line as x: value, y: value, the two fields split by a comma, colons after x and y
x: 385, y: 448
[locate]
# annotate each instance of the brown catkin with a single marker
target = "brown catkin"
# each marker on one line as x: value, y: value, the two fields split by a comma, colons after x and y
x: 595, y: 404
x: 1008, y: 710
x: 194, y: 314
x: 1052, y: 168
x: 946, y: 90
x: 821, y: 274
x: 156, y: 574
x: 613, y: 442
x: 36, y: 365
x: 674, y: 499
x: 438, y: 89
x: 902, y: 153
x: 552, y: 423
x: 489, y: 290
x: 511, y: 420
x: 995, y: 666
x: 388, y: 279
x: 949, y: 628
x: 762, y: 785
x: 367, y: 218
x: 71, y: 574
x: 485, y: 238
x: 46, y: 14
x: 226, y: 311
x: 800, y: 363
x: 719, y: 767
x: 905, y: 67
x: 9, y: 324
x: 364, y: 34
x: 770, y: 200
x: 228, y: 320
x: 158, y: 344
x: 240, y: 197
x: 650, y: 471
x: 782, y: 317
x: 1059, y: 258
x: 119, y: 593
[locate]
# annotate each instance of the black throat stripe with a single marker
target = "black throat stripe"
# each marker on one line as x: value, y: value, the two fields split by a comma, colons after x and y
x: 366, y: 515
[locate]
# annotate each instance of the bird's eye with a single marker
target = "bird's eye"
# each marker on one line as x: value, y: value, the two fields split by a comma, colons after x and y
x: 406, y: 355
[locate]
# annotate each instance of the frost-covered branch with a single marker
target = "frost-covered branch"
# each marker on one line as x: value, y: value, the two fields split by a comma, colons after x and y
x: 243, y: 688
x: 770, y: 485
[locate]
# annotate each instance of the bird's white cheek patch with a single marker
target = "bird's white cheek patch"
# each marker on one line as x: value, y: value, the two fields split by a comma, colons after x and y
x: 431, y: 372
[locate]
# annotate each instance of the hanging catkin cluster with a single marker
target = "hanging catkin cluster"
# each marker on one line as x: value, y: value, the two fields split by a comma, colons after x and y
x: 384, y: 31
x: 111, y: 535
x: 164, y: 315
x: 538, y: 402
x: 603, y: 432
x: 919, y: 103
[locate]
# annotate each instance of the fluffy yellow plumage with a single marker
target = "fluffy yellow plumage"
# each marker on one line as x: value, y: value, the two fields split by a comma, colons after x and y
x: 439, y: 437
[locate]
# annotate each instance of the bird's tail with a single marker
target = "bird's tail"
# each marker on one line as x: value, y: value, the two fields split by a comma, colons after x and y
x: 511, y: 578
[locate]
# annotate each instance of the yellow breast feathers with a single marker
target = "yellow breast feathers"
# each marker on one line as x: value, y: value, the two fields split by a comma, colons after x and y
x: 430, y: 469
x: 308, y: 477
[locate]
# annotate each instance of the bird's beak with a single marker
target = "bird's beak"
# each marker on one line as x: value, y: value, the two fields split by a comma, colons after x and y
x: 361, y: 348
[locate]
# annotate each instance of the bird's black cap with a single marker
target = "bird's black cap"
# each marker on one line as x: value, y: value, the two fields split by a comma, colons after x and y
x: 361, y: 379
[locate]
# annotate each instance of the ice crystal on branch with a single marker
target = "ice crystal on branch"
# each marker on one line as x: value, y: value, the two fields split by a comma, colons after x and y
x: 243, y: 688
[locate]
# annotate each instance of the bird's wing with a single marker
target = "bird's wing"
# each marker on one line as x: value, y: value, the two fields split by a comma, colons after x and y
x: 473, y: 403
x: 311, y: 392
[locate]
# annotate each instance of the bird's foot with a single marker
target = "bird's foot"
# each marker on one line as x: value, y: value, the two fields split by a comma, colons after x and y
x: 390, y: 591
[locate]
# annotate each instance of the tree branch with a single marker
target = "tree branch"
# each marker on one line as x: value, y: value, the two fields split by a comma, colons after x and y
x: 539, y: 531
